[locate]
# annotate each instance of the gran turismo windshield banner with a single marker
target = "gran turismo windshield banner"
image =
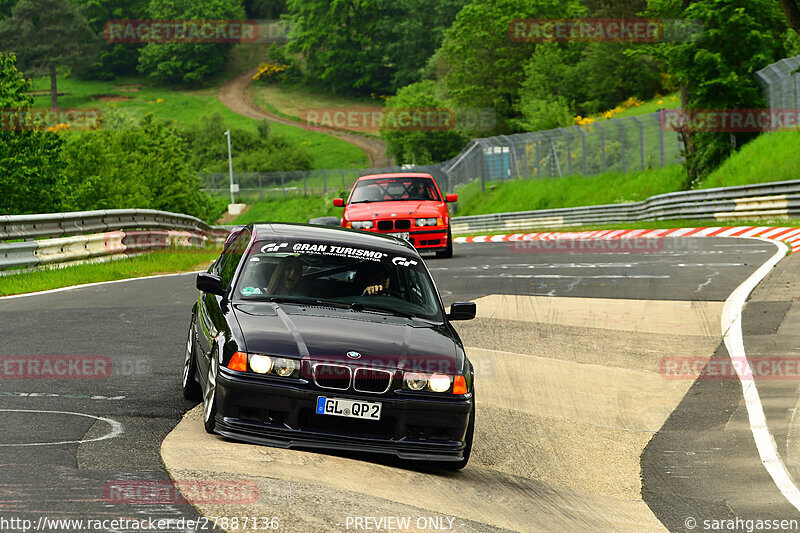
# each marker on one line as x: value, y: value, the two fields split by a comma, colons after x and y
x: 335, y: 250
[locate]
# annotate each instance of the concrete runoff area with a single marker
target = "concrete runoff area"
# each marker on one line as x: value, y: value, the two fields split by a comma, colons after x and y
x: 558, y: 435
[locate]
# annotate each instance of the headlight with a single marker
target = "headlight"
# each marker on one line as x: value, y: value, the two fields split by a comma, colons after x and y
x: 439, y: 383
x: 361, y: 224
x: 429, y: 222
x: 415, y: 381
x: 275, y: 366
x: 285, y: 367
x: 260, y: 363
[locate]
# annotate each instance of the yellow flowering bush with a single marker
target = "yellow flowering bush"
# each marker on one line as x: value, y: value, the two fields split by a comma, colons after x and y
x: 59, y: 127
x: 270, y: 71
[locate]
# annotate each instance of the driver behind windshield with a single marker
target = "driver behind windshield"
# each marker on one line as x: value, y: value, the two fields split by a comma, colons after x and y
x: 286, y: 276
x: 376, y: 280
x: 422, y: 191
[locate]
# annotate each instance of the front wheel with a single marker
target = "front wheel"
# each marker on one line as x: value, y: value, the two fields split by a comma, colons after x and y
x: 191, y: 389
x: 210, y: 395
x: 447, y: 253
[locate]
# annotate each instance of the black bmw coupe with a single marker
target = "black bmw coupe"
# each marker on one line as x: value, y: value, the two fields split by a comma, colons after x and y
x: 313, y: 337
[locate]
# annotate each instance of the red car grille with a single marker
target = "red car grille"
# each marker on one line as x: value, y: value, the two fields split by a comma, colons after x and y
x: 389, y: 225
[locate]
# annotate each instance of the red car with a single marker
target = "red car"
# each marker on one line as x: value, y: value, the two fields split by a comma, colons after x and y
x: 410, y: 206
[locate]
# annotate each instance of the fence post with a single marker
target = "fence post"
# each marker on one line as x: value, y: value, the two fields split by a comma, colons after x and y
x: 260, y: 188
x: 569, y: 150
x: 283, y: 187
x: 622, y: 142
x: 583, y: 148
x: 538, y: 169
x: 324, y: 182
x: 305, y: 188
x: 603, y: 145
x: 342, y: 173
x: 641, y: 141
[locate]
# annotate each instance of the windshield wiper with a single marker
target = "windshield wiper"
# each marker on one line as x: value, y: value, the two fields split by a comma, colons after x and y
x: 378, y: 309
x: 305, y: 301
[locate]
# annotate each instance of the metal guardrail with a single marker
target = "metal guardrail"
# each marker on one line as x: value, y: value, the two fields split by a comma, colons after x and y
x: 766, y: 200
x: 85, y: 222
x: 62, y: 237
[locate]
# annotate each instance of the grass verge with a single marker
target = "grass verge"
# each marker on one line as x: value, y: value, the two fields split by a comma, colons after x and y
x: 139, y: 96
x: 158, y: 262
x: 290, y: 209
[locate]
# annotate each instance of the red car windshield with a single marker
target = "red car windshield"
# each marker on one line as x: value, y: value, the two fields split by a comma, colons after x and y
x: 394, y: 189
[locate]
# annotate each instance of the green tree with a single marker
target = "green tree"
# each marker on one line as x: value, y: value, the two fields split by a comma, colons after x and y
x: 47, y: 35
x: 717, y: 70
x: 415, y: 36
x: 30, y: 167
x: 422, y: 146
x: 140, y: 167
x: 113, y: 59
x: 265, y: 9
x: 188, y: 63
x: 252, y: 152
x: 478, y: 62
x: 5, y: 8
x: 343, y: 42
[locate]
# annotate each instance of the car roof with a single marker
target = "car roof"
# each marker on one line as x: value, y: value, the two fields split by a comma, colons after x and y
x: 396, y: 175
x: 341, y: 236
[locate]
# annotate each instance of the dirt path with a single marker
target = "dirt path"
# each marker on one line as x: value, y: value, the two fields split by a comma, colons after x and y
x: 235, y: 94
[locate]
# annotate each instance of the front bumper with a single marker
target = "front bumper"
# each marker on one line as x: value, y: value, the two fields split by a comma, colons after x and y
x: 429, y: 240
x: 284, y: 415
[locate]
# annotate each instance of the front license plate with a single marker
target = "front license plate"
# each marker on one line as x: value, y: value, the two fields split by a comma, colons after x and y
x: 404, y: 235
x: 348, y: 408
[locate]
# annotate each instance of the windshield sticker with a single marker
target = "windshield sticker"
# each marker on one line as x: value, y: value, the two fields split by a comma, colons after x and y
x: 273, y: 247
x: 339, y: 251
x: 403, y: 262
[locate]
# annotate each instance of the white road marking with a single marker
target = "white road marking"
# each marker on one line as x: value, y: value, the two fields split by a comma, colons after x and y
x: 732, y: 328
x: 73, y: 287
x: 116, y: 428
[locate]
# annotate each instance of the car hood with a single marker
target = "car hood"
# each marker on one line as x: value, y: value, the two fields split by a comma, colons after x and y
x: 406, y: 209
x: 328, y: 334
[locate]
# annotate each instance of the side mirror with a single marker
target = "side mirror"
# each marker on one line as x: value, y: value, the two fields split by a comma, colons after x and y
x: 462, y: 311
x: 451, y: 198
x: 338, y: 202
x: 210, y: 283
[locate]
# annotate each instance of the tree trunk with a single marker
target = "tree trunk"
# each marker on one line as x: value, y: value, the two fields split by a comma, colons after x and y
x: 792, y: 11
x: 53, y: 89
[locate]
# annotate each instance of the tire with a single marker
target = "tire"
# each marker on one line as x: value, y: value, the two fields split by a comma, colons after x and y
x: 447, y: 253
x: 191, y: 388
x: 210, y: 394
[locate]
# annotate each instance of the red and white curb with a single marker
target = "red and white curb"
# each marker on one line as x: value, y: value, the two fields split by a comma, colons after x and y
x: 790, y: 236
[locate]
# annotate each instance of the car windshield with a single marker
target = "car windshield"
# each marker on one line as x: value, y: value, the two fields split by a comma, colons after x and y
x: 318, y: 273
x: 394, y: 189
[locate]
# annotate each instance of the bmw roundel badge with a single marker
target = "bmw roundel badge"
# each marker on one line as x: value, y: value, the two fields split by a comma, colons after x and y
x: 354, y: 355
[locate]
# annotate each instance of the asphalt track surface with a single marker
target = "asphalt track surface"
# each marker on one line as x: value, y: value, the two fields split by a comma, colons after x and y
x: 698, y: 458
